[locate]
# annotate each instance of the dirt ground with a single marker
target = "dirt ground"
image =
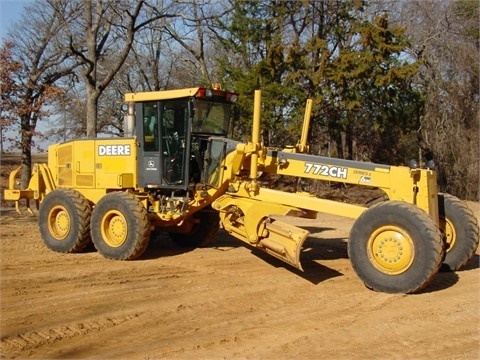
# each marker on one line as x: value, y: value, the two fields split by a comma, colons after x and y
x: 226, y: 301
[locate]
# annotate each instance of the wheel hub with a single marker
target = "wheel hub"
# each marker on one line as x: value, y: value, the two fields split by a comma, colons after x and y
x: 59, y: 223
x: 114, y: 229
x: 449, y: 231
x: 391, y: 250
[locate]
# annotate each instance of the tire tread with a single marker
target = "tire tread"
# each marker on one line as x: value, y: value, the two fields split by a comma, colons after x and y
x: 467, y: 245
x: 137, y: 211
x: 426, y: 226
x: 81, y: 218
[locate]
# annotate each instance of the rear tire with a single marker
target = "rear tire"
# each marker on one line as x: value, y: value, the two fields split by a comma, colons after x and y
x: 460, y: 227
x: 64, y: 221
x: 204, y: 231
x: 395, y: 247
x: 120, y: 227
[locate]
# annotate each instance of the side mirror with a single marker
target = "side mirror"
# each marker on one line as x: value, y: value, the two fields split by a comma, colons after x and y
x: 191, y: 108
x: 235, y: 120
x: 236, y: 113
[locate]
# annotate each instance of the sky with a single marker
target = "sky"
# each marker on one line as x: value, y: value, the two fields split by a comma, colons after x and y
x: 10, y: 12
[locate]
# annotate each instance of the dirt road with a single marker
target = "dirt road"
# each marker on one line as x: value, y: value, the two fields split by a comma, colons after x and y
x: 223, y: 302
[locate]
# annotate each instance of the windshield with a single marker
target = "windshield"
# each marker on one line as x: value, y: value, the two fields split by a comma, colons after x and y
x: 211, y: 117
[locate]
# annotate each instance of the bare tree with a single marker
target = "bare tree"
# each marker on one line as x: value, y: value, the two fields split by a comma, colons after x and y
x: 101, y: 37
x: 445, y: 39
x: 192, y: 32
x: 156, y: 61
x: 8, y: 68
x: 41, y: 64
x: 151, y: 63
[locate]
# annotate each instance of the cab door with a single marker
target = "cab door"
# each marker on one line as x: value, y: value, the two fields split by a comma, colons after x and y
x: 175, y: 144
x: 163, y: 133
x: 147, y: 129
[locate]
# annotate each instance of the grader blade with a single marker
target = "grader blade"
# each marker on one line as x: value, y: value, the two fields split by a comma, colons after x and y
x: 283, y: 241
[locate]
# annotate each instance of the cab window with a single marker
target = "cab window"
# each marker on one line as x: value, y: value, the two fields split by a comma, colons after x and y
x: 211, y: 118
x: 150, y: 126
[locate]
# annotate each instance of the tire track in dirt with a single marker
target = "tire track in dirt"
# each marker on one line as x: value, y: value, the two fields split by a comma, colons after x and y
x: 14, y: 345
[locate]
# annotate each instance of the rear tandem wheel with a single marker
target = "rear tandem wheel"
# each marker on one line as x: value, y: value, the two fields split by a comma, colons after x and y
x: 120, y: 227
x: 64, y: 221
x: 460, y: 227
x: 395, y: 247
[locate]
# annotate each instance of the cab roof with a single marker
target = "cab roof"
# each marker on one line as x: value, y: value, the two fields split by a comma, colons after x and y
x: 160, y: 95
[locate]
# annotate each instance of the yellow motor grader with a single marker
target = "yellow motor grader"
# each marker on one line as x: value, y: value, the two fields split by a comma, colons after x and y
x: 176, y: 171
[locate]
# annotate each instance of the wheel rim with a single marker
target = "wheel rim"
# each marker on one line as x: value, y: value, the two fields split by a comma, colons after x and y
x: 114, y: 228
x: 449, y: 231
x: 391, y: 250
x: 59, y: 222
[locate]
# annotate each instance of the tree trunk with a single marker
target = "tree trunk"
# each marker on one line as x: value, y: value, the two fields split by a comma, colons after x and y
x: 339, y: 143
x: 26, y: 145
x: 92, y: 106
x: 1, y: 139
x: 349, y: 141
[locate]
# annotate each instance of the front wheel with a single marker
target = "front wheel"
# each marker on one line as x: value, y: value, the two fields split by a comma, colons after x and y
x: 460, y: 227
x: 120, y: 227
x: 64, y: 221
x: 204, y: 230
x: 395, y: 247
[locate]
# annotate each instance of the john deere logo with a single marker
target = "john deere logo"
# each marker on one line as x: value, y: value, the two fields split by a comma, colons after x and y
x: 151, y: 165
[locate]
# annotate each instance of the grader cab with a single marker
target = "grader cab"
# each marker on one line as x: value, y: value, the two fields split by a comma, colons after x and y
x: 177, y: 171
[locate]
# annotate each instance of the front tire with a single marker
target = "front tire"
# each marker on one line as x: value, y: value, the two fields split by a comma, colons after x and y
x: 120, y: 227
x: 460, y: 227
x: 64, y: 221
x: 204, y: 231
x: 395, y: 247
